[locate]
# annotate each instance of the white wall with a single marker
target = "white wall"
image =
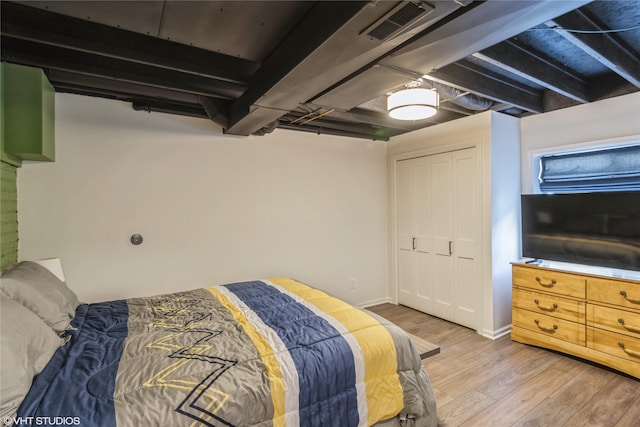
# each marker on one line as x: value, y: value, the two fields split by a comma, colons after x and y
x: 608, y: 122
x: 212, y: 208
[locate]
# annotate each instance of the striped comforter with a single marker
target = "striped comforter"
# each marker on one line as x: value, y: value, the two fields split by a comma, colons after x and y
x: 263, y: 353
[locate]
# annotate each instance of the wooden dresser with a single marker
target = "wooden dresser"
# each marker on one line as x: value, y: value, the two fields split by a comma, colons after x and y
x: 591, y: 316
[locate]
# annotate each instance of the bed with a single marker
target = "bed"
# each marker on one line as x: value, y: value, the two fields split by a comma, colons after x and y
x: 259, y: 353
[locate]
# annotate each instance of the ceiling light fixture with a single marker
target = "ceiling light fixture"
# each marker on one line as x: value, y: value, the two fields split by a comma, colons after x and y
x: 413, y: 103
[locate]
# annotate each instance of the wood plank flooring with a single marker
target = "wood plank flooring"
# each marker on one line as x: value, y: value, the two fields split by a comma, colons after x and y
x: 482, y: 382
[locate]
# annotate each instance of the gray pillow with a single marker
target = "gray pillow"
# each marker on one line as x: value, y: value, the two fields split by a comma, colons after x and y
x: 26, y: 346
x: 38, y: 289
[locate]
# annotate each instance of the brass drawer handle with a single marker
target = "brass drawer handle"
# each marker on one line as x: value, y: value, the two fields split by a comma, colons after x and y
x: 635, y: 329
x: 546, y: 284
x: 631, y: 300
x: 552, y: 308
x: 629, y: 351
x: 544, y: 328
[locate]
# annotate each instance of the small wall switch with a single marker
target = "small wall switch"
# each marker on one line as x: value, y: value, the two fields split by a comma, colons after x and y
x: 353, y: 283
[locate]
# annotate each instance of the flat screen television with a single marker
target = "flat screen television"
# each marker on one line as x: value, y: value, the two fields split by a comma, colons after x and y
x: 598, y: 229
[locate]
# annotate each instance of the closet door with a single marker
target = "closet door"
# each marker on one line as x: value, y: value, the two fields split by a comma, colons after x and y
x: 405, y: 217
x: 437, y: 216
x: 414, y: 233
x: 443, y: 220
x: 465, y: 250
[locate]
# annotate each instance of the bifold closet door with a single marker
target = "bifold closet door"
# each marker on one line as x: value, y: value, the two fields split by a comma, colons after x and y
x: 442, y: 223
x: 414, y: 238
x: 437, y: 208
x: 466, y: 243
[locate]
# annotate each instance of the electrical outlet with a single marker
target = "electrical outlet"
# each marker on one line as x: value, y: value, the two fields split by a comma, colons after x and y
x: 353, y: 283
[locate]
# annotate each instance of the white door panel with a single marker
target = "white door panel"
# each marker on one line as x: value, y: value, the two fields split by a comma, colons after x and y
x: 406, y: 279
x: 467, y: 298
x: 441, y: 246
x: 405, y: 242
x: 467, y: 280
x: 465, y: 248
x: 423, y: 244
x: 425, y: 282
x: 443, y: 289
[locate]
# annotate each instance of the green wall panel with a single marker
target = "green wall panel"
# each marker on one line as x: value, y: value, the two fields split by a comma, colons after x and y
x: 8, y: 215
x: 28, y: 104
x: 4, y: 156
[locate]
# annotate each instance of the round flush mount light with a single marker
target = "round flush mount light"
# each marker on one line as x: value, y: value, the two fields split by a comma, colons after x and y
x: 413, y: 103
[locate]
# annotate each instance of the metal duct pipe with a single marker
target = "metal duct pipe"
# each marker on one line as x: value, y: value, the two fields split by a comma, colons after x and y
x: 458, y: 97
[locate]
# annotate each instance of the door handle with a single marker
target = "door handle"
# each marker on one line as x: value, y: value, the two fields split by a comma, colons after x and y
x: 414, y: 243
x: 450, y: 247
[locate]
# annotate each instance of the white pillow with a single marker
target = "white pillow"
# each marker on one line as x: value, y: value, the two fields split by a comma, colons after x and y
x: 54, y: 265
x: 38, y: 289
x: 26, y: 346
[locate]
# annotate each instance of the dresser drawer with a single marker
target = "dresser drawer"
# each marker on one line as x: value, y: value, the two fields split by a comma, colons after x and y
x: 614, y: 344
x: 614, y: 319
x: 616, y: 292
x: 549, y: 281
x: 549, y: 304
x: 551, y: 326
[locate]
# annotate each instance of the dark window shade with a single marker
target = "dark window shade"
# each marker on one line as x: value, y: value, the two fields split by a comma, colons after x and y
x: 614, y: 169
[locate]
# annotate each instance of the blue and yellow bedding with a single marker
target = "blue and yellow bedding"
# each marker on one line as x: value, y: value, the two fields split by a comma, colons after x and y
x: 262, y: 353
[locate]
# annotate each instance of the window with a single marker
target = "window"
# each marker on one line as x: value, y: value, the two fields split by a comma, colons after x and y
x: 611, y: 169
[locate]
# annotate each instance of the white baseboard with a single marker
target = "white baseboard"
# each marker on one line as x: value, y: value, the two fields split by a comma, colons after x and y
x: 494, y: 335
x: 374, y: 302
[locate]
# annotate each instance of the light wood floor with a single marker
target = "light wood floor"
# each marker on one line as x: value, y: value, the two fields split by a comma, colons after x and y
x: 482, y: 382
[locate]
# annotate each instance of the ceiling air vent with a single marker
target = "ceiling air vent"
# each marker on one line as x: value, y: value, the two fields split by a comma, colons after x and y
x: 397, y: 20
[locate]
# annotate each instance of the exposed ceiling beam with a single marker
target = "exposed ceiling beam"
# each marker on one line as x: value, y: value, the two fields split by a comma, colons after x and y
x: 382, y: 119
x: 35, y: 54
x: 331, y: 126
x: 530, y: 65
x: 477, y: 25
x: 320, y: 24
x: 327, y: 122
x: 464, y: 75
x: 554, y: 101
x: 59, y: 78
x: 485, y: 25
x: 319, y: 130
x: 372, y: 118
x: 28, y: 23
x: 169, y: 108
x: 608, y: 86
x: 604, y: 48
x: 374, y: 79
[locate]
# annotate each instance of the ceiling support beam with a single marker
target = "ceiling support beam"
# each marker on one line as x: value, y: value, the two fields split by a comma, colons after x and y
x: 524, y: 63
x: 604, y: 48
x: 467, y: 77
x: 336, y: 127
x: 44, y: 56
x: 368, y: 117
x: 103, y: 85
x: 55, y: 30
x: 484, y: 25
x: 169, y: 108
x: 319, y: 25
x: 383, y: 120
x: 319, y: 130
